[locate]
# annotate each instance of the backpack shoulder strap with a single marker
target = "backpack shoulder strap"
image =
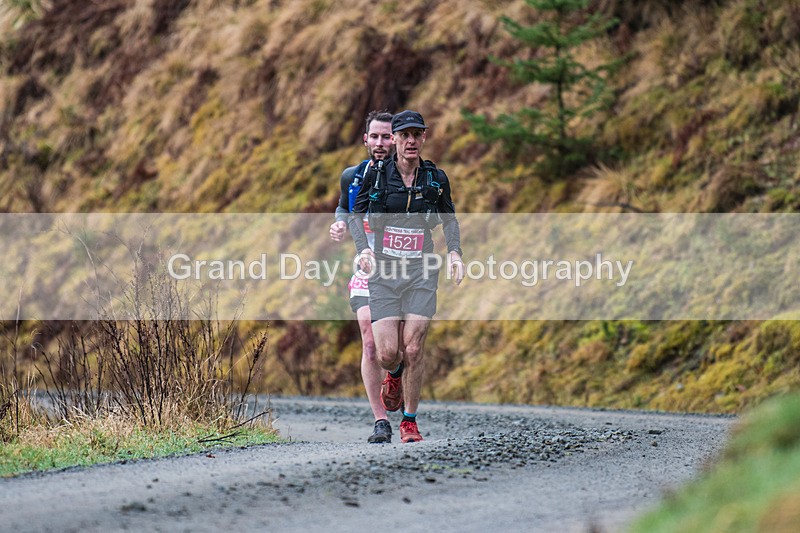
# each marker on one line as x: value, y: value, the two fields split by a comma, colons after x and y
x: 361, y: 169
x: 431, y: 173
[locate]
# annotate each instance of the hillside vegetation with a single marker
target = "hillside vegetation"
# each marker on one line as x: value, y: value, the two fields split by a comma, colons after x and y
x: 256, y: 106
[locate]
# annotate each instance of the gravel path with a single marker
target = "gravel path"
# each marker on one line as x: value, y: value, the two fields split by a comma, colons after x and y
x: 481, y: 467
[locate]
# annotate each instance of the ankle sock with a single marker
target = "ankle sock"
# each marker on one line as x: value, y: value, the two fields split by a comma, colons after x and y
x: 398, y: 372
x: 409, y: 417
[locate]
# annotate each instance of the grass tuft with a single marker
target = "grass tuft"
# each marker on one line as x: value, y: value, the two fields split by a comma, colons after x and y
x: 87, y: 441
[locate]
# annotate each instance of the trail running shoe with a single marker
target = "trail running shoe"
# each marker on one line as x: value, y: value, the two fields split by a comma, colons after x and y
x: 382, y: 432
x: 409, y: 432
x: 392, y: 393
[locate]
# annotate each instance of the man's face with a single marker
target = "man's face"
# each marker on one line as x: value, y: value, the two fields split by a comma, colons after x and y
x: 409, y: 142
x: 378, y: 140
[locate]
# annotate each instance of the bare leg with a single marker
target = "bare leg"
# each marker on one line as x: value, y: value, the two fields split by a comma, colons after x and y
x: 371, y: 371
x: 387, y: 342
x: 415, y: 331
x: 400, y: 327
x: 401, y: 348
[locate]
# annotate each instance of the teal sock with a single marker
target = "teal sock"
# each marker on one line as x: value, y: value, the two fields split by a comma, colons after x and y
x: 398, y: 371
x: 409, y: 417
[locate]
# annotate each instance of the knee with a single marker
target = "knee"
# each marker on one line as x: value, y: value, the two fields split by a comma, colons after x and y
x: 386, y: 359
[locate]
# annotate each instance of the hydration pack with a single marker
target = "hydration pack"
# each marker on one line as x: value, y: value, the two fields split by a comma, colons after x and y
x: 431, y: 190
x: 355, y: 185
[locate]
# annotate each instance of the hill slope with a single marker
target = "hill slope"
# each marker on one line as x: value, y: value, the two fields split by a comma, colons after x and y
x: 257, y: 105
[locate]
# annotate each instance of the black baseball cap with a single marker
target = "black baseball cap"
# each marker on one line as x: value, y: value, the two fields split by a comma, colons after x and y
x: 407, y: 119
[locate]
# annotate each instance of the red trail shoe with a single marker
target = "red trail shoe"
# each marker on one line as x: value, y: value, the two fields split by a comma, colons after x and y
x: 392, y: 393
x: 409, y: 432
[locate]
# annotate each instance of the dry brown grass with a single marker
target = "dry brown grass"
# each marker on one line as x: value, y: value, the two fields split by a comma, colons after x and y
x: 14, y: 14
x: 157, y: 370
x: 614, y: 190
x: 194, y: 105
x: 305, y: 71
x: 51, y: 435
x: 17, y: 410
x: 114, y: 423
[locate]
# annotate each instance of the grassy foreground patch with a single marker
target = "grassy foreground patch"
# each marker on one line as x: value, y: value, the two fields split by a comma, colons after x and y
x: 94, y: 441
x: 755, y: 487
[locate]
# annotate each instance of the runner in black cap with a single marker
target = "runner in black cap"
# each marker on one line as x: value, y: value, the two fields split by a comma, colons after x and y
x: 406, y: 198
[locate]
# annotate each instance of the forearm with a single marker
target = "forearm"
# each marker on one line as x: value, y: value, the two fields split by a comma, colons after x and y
x: 355, y: 222
x: 447, y: 211
x: 452, y: 232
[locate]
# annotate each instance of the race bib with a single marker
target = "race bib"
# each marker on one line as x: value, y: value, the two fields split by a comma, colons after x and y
x: 358, y: 286
x: 403, y: 242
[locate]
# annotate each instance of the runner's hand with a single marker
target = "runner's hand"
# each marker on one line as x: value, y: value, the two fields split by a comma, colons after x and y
x: 337, y: 230
x: 456, y: 266
x: 366, y: 260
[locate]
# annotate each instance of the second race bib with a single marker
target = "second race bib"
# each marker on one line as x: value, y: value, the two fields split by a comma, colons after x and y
x: 358, y: 286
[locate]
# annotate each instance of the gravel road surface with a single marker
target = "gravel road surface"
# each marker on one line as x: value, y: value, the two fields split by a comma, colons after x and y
x: 480, y: 468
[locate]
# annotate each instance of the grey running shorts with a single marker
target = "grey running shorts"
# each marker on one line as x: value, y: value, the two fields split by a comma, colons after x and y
x: 359, y: 292
x: 357, y: 302
x: 397, y: 297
